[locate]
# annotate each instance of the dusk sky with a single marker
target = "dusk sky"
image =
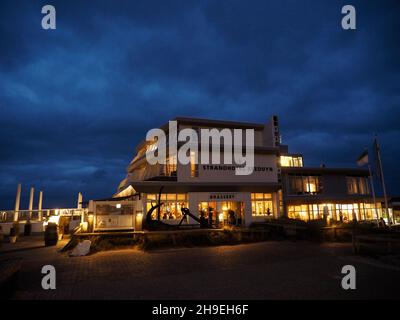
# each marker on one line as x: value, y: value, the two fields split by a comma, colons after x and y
x: 75, y: 101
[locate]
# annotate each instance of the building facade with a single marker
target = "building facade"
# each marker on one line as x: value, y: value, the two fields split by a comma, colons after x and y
x: 280, y: 185
x: 340, y: 194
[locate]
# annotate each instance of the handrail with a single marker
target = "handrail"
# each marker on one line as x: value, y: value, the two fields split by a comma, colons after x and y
x: 38, y: 215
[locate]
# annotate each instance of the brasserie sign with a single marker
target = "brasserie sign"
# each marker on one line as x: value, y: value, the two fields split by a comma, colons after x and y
x: 222, y: 196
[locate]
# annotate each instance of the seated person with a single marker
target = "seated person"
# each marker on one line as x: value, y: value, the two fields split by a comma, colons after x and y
x: 232, y: 218
x: 171, y: 216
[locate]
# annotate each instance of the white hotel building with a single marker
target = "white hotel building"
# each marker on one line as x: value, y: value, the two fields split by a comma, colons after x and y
x: 279, y: 186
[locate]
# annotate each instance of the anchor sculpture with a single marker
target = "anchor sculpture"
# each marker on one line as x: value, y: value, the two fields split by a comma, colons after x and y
x: 157, y: 225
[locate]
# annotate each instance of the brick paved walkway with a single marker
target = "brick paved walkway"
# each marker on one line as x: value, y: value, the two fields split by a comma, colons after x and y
x: 269, y: 270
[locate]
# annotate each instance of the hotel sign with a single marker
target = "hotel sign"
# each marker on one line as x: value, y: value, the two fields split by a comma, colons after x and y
x: 222, y: 196
x: 233, y: 167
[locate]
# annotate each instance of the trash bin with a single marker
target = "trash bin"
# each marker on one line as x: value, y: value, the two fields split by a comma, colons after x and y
x: 51, y: 234
x: 27, y: 229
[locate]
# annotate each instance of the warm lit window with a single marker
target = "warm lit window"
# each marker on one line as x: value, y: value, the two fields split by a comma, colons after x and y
x: 335, y: 212
x: 291, y: 161
x: 365, y: 183
x: 351, y: 185
x: 304, y: 184
x: 370, y: 211
x: 194, y: 166
x: 261, y: 204
x: 311, y: 184
x: 346, y: 212
x: 172, y: 204
x: 357, y: 185
x: 151, y: 147
x: 298, y: 212
x: 170, y: 167
x: 114, y: 209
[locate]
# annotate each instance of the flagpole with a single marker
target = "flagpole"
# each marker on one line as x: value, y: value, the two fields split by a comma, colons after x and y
x: 373, y: 193
x: 378, y: 153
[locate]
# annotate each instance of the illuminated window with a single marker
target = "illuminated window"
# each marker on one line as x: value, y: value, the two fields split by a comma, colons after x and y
x: 151, y: 147
x: 220, y: 211
x: 194, y: 166
x: 108, y: 209
x: 357, y: 185
x: 291, y: 161
x: 171, y: 196
x: 171, y: 208
x: 151, y: 197
x: 181, y: 196
x: 262, y: 205
x: 299, y: 184
x: 170, y: 166
x: 298, y: 212
x: 311, y: 184
x: 371, y: 212
x: 351, y: 185
x: 335, y: 212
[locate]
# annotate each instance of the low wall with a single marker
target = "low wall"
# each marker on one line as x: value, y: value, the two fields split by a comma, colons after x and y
x: 149, y: 240
x: 336, y: 234
x: 37, y: 227
x: 205, y: 237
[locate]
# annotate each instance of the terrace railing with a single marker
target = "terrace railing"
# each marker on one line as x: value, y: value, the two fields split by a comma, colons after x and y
x: 39, y: 215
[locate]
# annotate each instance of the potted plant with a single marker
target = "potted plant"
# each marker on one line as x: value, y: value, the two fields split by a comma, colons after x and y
x: 51, y: 234
x: 13, y: 235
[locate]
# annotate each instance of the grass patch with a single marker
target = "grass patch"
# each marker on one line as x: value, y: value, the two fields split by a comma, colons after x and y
x: 103, y: 242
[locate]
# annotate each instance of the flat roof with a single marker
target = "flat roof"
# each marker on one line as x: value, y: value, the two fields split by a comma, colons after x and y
x: 218, y: 123
x: 207, y: 123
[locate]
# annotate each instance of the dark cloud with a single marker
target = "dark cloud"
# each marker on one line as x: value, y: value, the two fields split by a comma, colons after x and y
x: 74, y: 102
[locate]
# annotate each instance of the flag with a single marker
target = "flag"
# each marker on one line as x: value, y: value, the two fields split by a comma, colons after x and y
x: 379, y: 172
x: 363, y: 159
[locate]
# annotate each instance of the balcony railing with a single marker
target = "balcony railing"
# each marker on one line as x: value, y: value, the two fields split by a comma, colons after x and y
x: 39, y: 215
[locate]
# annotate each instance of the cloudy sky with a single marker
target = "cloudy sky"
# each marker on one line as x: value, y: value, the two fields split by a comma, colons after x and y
x: 75, y: 101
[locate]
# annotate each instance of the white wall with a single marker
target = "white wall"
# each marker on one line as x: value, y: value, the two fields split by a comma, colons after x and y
x: 263, y: 161
x: 36, y: 227
x: 258, y: 134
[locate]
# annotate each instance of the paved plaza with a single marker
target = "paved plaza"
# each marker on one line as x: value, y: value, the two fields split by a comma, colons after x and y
x: 265, y: 270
